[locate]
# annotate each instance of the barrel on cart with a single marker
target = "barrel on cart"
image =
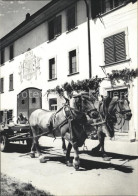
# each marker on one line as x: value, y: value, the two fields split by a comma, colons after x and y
x: 13, y: 133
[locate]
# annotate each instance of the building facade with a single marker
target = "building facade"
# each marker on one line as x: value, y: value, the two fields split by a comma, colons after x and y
x: 65, y: 41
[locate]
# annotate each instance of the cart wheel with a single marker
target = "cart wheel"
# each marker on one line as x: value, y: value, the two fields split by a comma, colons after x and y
x: 4, y: 143
x: 29, y: 144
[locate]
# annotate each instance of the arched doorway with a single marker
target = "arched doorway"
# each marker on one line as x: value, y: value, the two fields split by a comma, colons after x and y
x: 29, y: 100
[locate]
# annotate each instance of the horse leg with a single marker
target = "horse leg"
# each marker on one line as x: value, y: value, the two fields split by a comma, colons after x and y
x: 64, y: 146
x: 33, y: 149
x: 97, y: 148
x: 68, y: 162
x: 102, y: 139
x: 76, y: 161
x: 35, y: 141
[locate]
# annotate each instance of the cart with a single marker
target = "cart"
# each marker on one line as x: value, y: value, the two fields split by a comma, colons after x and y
x: 13, y: 133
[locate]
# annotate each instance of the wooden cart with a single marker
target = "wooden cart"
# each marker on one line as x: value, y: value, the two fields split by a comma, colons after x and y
x: 13, y: 133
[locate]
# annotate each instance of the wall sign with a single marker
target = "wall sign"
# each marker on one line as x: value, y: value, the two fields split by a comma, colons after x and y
x: 30, y: 67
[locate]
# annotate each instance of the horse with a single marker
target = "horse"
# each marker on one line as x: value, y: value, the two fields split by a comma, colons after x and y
x: 68, y: 122
x: 109, y: 110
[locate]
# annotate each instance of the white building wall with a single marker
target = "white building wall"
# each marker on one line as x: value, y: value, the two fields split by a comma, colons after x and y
x: 123, y: 19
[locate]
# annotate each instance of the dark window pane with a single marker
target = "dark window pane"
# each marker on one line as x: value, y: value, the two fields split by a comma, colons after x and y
x: 33, y: 100
x: 2, y: 85
x: 52, y: 71
x: 11, y: 52
x: 72, y: 62
x: 53, y: 104
x: 11, y: 82
x: 2, y: 56
x: 58, y: 25
x: 71, y: 18
x: 51, y: 30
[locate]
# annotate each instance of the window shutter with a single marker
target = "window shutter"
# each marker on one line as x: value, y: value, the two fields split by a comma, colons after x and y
x: 109, y: 50
x: 120, y: 51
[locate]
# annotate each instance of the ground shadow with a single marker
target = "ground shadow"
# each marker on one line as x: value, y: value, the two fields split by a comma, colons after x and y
x: 121, y: 157
x: 53, y: 155
x: 21, y: 148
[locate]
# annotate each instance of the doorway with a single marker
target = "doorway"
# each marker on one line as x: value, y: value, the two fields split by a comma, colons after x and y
x: 29, y: 100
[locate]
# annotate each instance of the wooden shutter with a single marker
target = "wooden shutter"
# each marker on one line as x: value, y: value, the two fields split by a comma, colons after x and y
x: 109, y: 50
x: 115, y: 48
x: 120, y: 51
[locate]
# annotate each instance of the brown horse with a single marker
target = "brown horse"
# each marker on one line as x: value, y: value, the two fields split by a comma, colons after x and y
x: 68, y: 121
x: 109, y: 111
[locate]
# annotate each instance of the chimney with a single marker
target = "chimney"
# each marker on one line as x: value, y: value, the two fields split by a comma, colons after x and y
x: 27, y: 16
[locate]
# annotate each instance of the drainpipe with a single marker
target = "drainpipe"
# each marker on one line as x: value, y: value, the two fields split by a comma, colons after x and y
x: 89, y: 37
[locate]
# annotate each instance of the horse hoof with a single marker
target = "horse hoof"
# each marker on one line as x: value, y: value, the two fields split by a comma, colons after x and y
x: 42, y: 160
x: 106, y: 158
x: 32, y: 155
x: 76, y: 167
x: 69, y: 164
x: 65, y: 152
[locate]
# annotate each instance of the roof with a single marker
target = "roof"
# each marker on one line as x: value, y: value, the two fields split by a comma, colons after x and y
x: 31, y: 22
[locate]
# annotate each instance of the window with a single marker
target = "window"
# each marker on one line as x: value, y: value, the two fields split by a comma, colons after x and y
x: 11, y: 52
x: 1, y: 116
x: 53, y: 104
x: 2, y: 57
x: 114, y: 47
x: 107, y: 5
x: 1, y: 85
x: 54, y: 27
x: 23, y: 101
x: 52, y: 69
x: 72, y: 62
x: 11, y: 82
x: 33, y: 100
x: 71, y: 18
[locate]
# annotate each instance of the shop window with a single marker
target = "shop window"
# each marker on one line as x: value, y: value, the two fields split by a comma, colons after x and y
x: 53, y: 104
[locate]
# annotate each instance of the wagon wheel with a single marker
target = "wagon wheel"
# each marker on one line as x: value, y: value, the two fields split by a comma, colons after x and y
x: 29, y: 144
x: 4, y: 143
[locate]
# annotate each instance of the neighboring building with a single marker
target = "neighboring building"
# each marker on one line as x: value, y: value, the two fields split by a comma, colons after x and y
x: 58, y: 44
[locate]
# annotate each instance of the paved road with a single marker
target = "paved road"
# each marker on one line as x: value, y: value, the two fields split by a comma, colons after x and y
x: 119, y: 176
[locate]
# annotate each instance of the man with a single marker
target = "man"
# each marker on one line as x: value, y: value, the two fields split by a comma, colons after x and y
x: 21, y: 119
